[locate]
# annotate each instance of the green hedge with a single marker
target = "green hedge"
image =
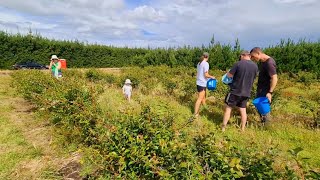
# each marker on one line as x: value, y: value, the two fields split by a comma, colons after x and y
x: 290, y: 56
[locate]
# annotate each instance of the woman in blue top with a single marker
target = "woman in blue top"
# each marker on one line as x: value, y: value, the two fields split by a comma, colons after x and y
x: 202, y: 77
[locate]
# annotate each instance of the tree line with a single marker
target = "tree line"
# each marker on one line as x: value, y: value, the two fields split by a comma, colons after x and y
x: 15, y: 48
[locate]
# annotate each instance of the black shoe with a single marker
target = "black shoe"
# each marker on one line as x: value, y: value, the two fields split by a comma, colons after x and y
x: 191, y: 119
x: 265, y: 118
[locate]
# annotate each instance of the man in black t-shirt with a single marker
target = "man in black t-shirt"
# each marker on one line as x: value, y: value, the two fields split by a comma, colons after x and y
x: 243, y: 73
x: 268, y: 78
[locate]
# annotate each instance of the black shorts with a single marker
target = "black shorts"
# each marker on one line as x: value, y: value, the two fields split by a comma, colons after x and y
x: 201, y: 88
x: 234, y: 100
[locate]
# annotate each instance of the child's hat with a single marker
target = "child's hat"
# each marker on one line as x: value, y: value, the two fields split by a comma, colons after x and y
x: 127, y: 81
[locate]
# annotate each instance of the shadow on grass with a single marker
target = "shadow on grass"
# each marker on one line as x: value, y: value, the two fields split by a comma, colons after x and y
x: 214, y: 113
x: 215, y: 117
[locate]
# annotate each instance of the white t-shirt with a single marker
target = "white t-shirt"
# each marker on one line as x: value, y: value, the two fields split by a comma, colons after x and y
x: 127, y: 89
x: 202, y: 68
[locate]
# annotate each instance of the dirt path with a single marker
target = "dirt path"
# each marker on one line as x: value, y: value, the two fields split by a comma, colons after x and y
x: 26, y: 147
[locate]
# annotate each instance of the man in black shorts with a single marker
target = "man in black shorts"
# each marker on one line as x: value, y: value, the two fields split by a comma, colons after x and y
x: 268, y: 78
x: 243, y: 73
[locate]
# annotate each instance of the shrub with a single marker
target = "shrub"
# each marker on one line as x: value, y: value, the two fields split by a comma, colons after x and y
x: 109, y: 78
x: 147, y: 145
x: 306, y: 77
x: 93, y: 75
x: 71, y: 103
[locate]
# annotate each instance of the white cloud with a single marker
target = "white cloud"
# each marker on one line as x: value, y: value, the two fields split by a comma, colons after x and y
x: 147, y: 13
x: 16, y: 24
x: 71, y: 7
x: 165, y: 22
x: 300, y: 2
x: 247, y: 20
x: 82, y: 16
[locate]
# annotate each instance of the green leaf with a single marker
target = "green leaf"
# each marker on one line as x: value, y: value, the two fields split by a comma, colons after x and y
x: 234, y: 162
x: 184, y: 165
x: 296, y: 151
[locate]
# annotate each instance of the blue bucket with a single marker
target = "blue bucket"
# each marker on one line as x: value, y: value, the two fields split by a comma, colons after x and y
x: 262, y: 104
x: 212, y: 84
x: 226, y: 80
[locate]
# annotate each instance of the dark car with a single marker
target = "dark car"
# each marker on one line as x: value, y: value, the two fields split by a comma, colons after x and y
x: 29, y: 65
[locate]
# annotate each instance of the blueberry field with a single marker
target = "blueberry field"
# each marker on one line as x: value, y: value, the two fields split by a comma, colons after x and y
x: 151, y: 137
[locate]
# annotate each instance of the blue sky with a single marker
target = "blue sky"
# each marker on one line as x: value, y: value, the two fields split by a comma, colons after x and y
x: 165, y: 23
x: 136, y: 3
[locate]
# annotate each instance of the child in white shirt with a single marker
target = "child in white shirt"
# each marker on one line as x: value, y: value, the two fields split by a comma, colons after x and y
x: 127, y: 89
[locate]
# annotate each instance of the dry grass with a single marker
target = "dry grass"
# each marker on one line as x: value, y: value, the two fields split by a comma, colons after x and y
x: 26, y: 150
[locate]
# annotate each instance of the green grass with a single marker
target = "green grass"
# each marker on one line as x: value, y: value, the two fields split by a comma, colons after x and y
x: 14, y: 148
x: 50, y: 173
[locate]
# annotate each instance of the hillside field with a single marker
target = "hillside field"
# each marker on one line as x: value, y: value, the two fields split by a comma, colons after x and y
x: 150, y: 137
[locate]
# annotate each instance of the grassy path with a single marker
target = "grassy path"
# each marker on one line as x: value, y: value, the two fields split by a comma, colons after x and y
x: 25, y: 150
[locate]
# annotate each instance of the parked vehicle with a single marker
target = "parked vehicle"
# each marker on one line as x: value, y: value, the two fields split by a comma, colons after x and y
x: 29, y: 65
